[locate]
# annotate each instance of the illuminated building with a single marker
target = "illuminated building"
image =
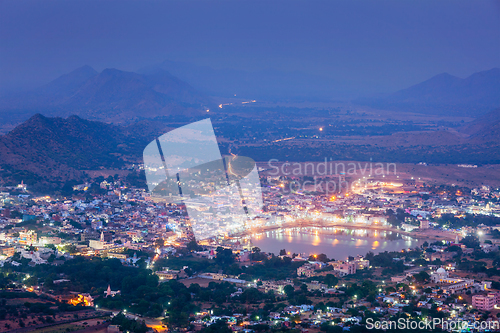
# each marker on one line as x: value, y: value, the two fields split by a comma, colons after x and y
x: 27, y: 237
x: 441, y: 275
x: 110, y: 293
x: 361, y: 262
x: 97, y: 244
x: 50, y: 240
x: 120, y: 256
x: 82, y: 299
x: 167, y: 274
x: 452, y: 285
x: 7, y: 251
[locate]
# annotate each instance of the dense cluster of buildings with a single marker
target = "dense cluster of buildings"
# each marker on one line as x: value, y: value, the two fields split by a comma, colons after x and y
x: 118, y: 222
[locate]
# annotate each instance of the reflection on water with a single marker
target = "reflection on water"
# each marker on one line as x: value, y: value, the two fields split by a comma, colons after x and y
x: 337, y: 243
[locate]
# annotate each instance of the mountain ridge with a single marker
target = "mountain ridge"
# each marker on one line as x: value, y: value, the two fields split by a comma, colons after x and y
x: 270, y: 85
x: 112, y: 95
x: 445, y: 94
x: 485, y: 129
x: 48, y: 151
x: 51, y: 150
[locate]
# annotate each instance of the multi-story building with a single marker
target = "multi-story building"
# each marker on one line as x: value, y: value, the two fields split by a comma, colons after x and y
x: 120, y: 256
x: 97, y: 244
x: 345, y: 268
x: 7, y: 251
x: 50, y: 240
x: 457, y: 285
x: 424, y: 224
x: 167, y: 275
x: 451, y: 284
x: 306, y: 270
x: 28, y: 237
x: 443, y: 256
x: 361, y: 262
x: 484, y: 303
x: 277, y: 286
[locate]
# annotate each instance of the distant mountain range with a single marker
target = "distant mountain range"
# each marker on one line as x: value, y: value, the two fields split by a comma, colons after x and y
x: 121, y: 97
x: 445, y: 94
x: 269, y: 85
x: 75, y: 134
x: 112, y: 96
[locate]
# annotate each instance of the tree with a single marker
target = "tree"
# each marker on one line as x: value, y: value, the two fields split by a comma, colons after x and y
x: 193, y: 246
x: 48, y: 283
x: 224, y: 257
x: 454, y: 248
x: 331, y: 280
x: 320, y: 306
x: 159, y: 242
x: 128, y: 324
x: 471, y: 241
x: 219, y: 326
x: 289, y: 290
x: 70, y: 248
x: 194, y: 288
x: 329, y: 327
x: 50, y: 246
x: 32, y: 281
x: 320, y: 257
x: 390, y: 290
x: 257, y: 255
x: 251, y: 295
x: 141, y: 263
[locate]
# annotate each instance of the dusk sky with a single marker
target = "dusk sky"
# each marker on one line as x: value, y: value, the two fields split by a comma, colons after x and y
x: 388, y: 45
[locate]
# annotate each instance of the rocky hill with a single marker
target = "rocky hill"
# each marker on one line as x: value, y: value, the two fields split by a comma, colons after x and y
x: 445, y: 94
x: 113, y: 96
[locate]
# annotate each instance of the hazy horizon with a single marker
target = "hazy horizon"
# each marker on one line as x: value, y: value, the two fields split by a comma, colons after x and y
x: 368, y: 47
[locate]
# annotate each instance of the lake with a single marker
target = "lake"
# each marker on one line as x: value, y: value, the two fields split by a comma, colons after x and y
x: 336, y: 243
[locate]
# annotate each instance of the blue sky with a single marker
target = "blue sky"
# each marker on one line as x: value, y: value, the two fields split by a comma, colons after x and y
x: 382, y: 44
